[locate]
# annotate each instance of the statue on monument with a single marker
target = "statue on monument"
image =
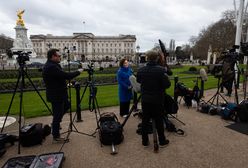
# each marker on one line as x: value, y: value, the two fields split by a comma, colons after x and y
x: 20, y: 21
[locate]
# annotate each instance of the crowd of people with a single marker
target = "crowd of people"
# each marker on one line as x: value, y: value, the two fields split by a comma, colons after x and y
x: 153, y: 82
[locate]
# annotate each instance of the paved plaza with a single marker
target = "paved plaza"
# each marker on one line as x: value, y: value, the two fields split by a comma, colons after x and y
x: 207, y: 143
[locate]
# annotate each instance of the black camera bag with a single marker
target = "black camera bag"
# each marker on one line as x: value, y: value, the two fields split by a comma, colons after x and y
x: 3, y: 138
x: 111, y: 131
x: 31, y: 135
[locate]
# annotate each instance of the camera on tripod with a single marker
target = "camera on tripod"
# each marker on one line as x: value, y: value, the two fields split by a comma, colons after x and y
x: 90, y: 68
x: 22, y: 56
x: 227, y: 58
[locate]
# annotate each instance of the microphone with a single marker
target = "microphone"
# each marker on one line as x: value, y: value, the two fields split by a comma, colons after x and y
x: 134, y: 83
x: 203, y: 74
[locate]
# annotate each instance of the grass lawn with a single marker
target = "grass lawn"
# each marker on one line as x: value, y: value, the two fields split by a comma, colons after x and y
x: 106, y: 96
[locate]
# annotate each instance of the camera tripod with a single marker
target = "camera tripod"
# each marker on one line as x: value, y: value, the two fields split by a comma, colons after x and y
x: 216, y: 95
x: 93, y: 104
x: 135, y: 104
x: 22, y: 57
x: 72, y: 127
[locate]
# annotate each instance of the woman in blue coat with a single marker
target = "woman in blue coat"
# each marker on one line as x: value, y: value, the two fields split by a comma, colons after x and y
x: 124, y: 87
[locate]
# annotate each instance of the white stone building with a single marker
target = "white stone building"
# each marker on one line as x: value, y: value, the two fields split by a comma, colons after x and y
x: 87, y: 46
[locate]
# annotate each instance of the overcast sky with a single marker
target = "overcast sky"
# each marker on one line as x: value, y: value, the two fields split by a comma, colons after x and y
x: 149, y: 20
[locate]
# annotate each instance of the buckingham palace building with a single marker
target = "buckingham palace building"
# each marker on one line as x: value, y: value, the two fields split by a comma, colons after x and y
x: 87, y: 46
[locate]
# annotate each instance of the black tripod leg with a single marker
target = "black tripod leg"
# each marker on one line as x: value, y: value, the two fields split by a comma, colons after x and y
x: 85, y: 88
x: 38, y: 92
x: 211, y: 100
x: 20, y: 109
x: 130, y: 111
x: 155, y: 137
x: 7, y: 114
x: 98, y: 110
x: 177, y: 119
x: 223, y: 98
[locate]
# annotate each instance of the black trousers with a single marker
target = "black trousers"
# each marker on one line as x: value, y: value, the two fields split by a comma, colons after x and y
x: 124, y: 108
x: 59, y: 109
x: 156, y: 112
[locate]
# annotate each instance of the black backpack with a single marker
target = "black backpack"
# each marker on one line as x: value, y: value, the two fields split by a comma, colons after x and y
x: 170, y: 105
x: 242, y: 111
x: 33, y: 134
x: 149, y: 128
x: 110, y: 131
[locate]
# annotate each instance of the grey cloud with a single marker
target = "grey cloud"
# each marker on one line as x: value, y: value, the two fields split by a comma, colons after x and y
x: 148, y: 20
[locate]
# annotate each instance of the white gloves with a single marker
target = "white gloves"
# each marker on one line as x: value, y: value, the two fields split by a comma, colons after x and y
x: 81, y: 70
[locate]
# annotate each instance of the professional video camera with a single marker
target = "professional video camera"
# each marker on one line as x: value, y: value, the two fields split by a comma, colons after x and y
x: 226, y: 60
x: 232, y: 55
x: 22, y: 56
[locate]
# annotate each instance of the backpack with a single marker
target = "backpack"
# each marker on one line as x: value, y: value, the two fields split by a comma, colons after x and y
x: 181, y: 89
x: 4, y: 139
x: 149, y: 128
x: 170, y: 105
x: 242, y: 111
x: 33, y: 134
x: 110, y: 131
x: 188, y: 99
x: 229, y: 112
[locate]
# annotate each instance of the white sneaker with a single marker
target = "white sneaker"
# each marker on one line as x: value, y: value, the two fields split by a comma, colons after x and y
x: 124, y: 116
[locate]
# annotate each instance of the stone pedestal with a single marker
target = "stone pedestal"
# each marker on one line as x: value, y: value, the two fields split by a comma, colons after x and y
x: 21, y: 42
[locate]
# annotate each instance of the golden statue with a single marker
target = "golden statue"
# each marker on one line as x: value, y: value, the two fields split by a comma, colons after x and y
x: 20, y: 21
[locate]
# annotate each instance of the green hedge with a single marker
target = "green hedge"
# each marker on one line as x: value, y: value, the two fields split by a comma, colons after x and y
x: 39, y: 84
x: 12, y: 74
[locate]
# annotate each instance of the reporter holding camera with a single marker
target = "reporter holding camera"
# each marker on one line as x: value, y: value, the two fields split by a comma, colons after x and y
x: 56, y: 89
x: 124, y: 87
x: 154, y: 80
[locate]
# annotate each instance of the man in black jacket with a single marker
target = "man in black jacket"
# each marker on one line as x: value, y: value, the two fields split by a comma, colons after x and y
x: 154, y: 81
x: 56, y: 89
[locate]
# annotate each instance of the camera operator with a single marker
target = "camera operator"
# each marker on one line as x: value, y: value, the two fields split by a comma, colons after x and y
x: 228, y: 74
x: 154, y: 80
x: 56, y: 89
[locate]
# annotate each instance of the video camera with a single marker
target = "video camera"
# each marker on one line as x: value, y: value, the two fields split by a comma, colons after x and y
x: 22, y: 56
x: 227, y: 58
x: 232, y: 55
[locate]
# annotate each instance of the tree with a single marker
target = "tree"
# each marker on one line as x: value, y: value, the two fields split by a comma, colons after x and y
x: 220, y: 35
x: 6, y: 43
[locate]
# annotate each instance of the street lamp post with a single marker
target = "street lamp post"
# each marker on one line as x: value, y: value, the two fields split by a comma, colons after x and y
x: 137, y: 55
x: 83, y: 26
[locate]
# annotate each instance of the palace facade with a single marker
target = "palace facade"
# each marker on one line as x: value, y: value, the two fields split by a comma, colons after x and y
x: 87, y: 46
